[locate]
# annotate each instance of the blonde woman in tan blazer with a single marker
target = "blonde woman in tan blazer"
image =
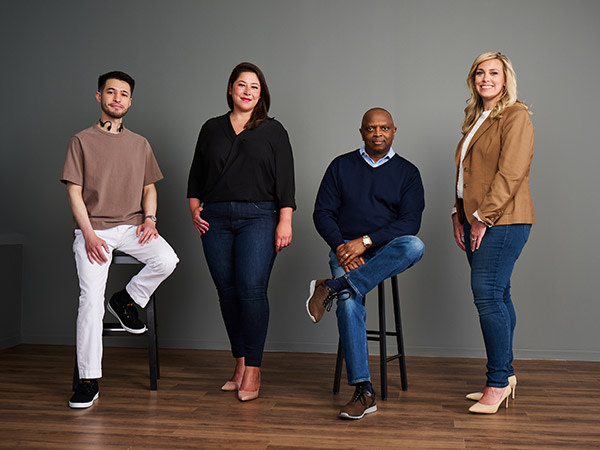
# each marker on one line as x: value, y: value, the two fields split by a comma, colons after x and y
x: 494, y: 211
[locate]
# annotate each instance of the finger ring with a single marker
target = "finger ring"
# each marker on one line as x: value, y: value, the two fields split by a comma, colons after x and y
x: 474, y: 239
x: 346, y: 255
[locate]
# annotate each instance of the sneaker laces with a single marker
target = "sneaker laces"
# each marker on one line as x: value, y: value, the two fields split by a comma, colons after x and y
x: 328, y: 302
x: 359, y: 395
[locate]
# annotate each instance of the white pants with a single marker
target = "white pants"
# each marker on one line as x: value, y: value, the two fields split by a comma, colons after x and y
x: 160, y: 261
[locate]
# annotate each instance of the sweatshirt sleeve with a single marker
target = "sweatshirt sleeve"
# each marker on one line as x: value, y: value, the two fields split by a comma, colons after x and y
x: 326, y: 210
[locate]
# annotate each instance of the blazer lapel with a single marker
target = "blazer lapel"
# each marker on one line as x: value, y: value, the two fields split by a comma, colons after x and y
x: 482, y: 129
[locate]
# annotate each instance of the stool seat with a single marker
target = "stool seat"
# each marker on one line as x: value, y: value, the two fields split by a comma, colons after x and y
x: 115, y: 328
x: 120, y: 257
x: 380, y: 335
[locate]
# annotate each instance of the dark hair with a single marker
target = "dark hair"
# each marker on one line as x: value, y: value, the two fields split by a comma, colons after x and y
x: 259, y: 114
x: 117, y: 75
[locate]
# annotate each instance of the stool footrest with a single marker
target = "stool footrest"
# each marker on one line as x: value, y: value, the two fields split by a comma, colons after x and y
x: 380, y: 336
x: 387, y: 333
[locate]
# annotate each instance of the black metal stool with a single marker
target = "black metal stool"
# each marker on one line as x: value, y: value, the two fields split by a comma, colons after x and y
x: 380, y: 335
x: 115, y: 329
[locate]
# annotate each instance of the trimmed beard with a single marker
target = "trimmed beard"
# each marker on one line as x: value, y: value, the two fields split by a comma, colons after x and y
x: 111, y: 114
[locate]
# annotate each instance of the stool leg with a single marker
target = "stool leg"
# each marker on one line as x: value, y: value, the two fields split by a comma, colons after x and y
x: 399, y: 335
x: 338, y: 369
x: 152, y: 343
x: 382, y: 341
x: 156, y: 338
x: 75, y: 373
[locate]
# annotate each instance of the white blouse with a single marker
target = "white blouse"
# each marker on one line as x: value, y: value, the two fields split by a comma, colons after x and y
x: 463, y: 152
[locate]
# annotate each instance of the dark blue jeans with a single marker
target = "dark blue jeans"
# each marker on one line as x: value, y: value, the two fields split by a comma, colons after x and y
x: 240, y: 250
x: 491, y: 268
x: 393, y: 258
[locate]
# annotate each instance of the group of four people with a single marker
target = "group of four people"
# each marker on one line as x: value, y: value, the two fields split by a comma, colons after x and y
x: 241, y: 198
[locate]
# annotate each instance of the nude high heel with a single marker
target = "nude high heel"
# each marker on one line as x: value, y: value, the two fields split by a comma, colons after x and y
x: 480, y: 408
x: 246, y: 396
x: 231, y: 386
x: 512, y: 382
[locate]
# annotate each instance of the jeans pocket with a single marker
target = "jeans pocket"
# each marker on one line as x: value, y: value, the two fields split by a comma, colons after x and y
x: 265, y: 206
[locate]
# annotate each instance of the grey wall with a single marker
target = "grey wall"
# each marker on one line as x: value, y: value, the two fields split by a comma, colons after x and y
x: 326, y: 63
x: 11, y: 270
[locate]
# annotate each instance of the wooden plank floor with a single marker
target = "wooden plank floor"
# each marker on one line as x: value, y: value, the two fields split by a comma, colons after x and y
x: 557, y: 405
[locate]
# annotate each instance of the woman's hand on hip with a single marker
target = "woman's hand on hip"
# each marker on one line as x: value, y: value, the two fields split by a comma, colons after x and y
x: 478, y: 230
x: 459, y: 232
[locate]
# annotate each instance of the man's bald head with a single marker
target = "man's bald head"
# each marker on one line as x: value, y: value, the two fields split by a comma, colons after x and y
x: 377, y: 130
x: 377, y: 110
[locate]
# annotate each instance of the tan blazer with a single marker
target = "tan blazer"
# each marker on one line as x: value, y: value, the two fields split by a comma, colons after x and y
x: 496, y: 170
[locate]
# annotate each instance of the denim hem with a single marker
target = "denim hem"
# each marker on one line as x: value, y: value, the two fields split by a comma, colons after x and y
x: 495, y: 385
x: 359, y: 380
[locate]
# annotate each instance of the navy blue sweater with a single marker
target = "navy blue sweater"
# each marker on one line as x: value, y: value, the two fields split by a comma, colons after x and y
x: 355, y: 199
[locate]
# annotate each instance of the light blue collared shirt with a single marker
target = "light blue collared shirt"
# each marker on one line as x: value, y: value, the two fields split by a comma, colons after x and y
x: 381, y: 162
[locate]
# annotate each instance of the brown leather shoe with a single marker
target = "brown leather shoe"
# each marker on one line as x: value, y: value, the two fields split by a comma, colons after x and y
x: 363, y: 402
x: 320, y: 299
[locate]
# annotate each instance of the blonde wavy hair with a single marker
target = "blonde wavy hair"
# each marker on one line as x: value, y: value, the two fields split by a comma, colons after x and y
x: 509, y: 94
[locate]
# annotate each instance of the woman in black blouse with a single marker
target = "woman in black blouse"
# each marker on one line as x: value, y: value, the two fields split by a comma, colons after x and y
x: 241, y: 196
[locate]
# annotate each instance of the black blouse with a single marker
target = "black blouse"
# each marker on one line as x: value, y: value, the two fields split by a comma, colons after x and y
x: 255, y: 165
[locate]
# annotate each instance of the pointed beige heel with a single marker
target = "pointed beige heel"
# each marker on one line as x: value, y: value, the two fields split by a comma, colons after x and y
x: 512, y: 382
x: 480, y: 408
x: 246, y: 396
x: 231, y: 386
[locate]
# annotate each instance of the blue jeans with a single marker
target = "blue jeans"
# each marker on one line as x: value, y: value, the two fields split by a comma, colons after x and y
x: 391, y: 259
x: 491, y: 268
x: 240, y: 250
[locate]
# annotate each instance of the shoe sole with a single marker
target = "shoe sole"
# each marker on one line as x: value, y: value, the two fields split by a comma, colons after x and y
x: 83, y: 405
x: 311, y: 291
x: 345, y: 415
x: 130, y: 330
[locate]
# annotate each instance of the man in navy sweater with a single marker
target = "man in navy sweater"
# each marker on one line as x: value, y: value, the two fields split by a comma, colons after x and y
x: 368, y: 210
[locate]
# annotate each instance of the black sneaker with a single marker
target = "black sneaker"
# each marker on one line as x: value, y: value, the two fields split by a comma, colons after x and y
x: 85, y: 394
x: 121, y: 306
x: 363, y: 402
